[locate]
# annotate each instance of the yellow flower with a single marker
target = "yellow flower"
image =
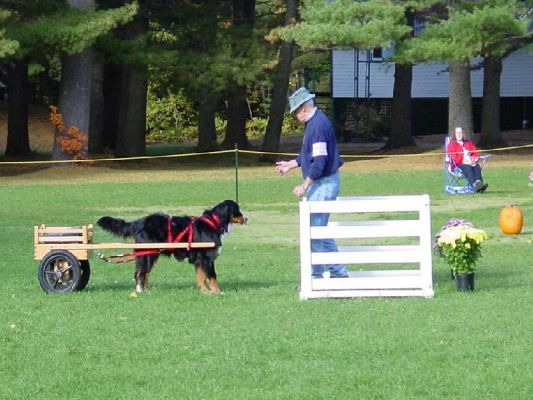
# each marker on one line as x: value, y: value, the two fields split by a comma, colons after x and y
x: 461, y: 246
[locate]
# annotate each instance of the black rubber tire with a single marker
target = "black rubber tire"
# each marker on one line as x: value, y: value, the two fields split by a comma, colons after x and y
x: 59, y: 272
x: 85, y: 274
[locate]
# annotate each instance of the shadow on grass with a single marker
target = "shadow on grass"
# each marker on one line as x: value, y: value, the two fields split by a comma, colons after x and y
x: 230, y: 286
x: 486, y: 281
x: 21, y: 169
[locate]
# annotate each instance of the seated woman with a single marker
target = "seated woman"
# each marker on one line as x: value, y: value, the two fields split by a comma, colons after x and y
x: 464, y: 155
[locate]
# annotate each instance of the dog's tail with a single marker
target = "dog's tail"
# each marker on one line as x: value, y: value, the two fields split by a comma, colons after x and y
x: 116, y: 226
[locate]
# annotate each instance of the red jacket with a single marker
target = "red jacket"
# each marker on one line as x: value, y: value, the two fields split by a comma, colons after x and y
x: 455, y: 150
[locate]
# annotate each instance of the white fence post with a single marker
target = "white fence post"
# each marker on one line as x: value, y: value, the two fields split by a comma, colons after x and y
x: 372, y: 219
x: 305, y: 250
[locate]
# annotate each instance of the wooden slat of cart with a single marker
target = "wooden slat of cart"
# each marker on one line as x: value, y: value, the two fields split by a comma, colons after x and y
x: 81, y: 250
x: 64, y: 229
x: 138, y: 246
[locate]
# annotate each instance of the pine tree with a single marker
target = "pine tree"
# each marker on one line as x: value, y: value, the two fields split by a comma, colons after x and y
x: 461, y: 31
x: 347, y: 23
x: 214, y: 51
x: 280, y: 87
x: 46, y: 29
x: 363, y: 25
x: 7, y: 46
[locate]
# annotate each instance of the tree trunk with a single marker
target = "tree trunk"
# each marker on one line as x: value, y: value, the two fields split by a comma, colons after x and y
x: 96, y: 121
x: 401, y: 126
x: 280, y: 88
x: 243, y: 17
x: 460, y: 98
x: 401, y: 133
x: 131, y: 135
x: 75, y: 95
x: 237, y: 115
x: 111, y: 94
x: 18, y: 142
x: 207, y: 133
x: 207, y: 94
x: 490, y: 116
x: 74, y: 101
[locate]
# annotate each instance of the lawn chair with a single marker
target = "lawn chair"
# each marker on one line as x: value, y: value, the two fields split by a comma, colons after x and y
x: 454, y: 179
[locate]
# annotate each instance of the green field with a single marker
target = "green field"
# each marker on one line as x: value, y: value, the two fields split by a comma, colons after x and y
x: 258, y: 340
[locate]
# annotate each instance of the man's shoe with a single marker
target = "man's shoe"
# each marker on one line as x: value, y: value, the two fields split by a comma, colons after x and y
x: 483, y: 188
x: 478, y: 185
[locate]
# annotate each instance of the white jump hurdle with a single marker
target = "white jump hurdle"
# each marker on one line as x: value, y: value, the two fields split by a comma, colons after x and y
x: 364, y: 283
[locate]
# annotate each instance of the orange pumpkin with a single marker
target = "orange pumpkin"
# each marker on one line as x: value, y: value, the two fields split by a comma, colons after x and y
x: 511, y: 220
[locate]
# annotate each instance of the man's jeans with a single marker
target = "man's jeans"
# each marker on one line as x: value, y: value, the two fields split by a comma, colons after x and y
x: 326, y: 188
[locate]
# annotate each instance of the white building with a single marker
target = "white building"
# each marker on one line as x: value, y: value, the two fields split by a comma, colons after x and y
x: 364, y: 75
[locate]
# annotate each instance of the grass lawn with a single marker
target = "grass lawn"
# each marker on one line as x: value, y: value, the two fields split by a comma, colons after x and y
x: 258, y: 340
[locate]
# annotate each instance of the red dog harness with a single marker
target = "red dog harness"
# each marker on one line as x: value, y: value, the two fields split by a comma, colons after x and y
x: 212, y: 220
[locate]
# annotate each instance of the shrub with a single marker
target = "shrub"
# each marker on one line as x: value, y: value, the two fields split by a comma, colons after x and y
x: 169, y: 115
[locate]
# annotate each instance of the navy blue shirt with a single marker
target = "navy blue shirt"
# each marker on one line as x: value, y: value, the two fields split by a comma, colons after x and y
x: 319, y: 156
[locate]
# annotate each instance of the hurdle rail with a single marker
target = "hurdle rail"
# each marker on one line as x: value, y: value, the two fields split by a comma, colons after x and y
x: 382, y: 227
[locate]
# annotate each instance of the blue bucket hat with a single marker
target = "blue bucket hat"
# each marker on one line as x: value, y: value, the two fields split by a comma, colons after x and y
x: 299, y: 97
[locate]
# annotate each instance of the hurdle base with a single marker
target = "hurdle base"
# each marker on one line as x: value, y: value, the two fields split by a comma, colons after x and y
x: 386, y: 283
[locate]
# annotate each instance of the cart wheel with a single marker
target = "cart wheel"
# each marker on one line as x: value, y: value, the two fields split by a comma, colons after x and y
x: 85, y: 274
x: 59, y: 272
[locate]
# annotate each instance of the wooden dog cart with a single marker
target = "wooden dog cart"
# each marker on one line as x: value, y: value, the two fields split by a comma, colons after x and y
x: 64, y: 253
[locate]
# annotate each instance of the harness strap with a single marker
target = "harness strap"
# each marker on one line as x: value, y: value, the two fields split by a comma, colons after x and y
x: 188, y: 231
x: 213, y: 222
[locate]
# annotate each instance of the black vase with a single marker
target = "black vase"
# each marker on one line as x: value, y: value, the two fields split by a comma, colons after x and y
x: 464, y: 283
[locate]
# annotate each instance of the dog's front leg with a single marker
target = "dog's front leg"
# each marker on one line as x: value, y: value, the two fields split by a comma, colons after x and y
x: 201, y: 277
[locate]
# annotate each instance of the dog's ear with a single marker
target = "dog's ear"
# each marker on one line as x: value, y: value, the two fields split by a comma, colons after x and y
x: 233, y: 208
x: 230, y: 211
x: 227, y: 207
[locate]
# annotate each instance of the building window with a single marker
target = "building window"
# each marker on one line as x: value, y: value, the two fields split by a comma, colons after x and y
x: 385, y: 107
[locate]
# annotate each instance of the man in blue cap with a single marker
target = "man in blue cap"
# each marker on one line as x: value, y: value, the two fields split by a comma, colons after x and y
x: 320, y: 162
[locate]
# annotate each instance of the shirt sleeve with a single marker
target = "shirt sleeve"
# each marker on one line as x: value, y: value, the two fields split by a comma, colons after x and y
x: 455, y: 150
x: 470, y: 146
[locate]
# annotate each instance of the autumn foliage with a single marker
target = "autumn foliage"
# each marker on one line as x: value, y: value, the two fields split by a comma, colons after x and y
x: 71, y: 141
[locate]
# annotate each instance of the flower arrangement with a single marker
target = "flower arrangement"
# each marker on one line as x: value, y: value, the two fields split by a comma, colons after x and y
x: 460, y: 246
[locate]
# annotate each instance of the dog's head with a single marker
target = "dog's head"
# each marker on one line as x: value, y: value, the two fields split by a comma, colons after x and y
x: 229, y: 212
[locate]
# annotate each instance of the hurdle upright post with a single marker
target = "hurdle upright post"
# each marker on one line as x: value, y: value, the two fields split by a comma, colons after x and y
x: 305, y: 250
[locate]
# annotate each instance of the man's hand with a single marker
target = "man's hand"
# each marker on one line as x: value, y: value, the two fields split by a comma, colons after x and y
x: 299, y: 191
x: 282, y: 167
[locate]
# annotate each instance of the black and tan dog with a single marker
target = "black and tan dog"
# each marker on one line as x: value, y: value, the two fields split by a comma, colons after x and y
x: 161, y: 228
